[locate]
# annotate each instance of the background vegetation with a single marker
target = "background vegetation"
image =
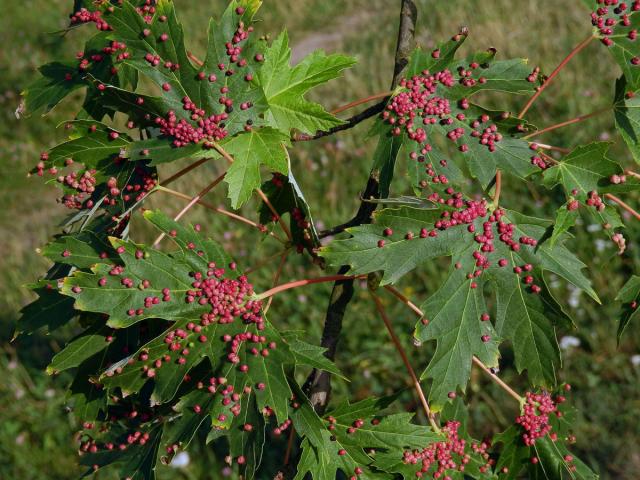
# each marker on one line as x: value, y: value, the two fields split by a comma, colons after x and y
x: 36, y: 432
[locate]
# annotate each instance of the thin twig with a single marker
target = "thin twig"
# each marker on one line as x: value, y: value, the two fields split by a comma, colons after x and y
x: 222, y: 211
x: 624, y: 205
x: 276, y: 279
x: 632, y: 173
x: 497, y: 379
x: 261, y: 194
x: 195, y: 59
x: 265, y: 261
x: 405, y: 360
x: 191, y: 203
x: 476, y: 360
x: 496, y: 195
x: 550, y: 78
x: 404, y: 300
x: 287, y: 453
x: 355, y: 103
x: 349, y: 123
x: 318, y: 384
x: 306, y: 281
x: 553, y: 148
x: 275, y: 214
x: 184, y: 171
x: 578, y: 119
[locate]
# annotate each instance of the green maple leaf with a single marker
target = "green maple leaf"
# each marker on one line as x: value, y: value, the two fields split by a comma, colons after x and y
x: 248, y: 443
x: 390, y: 460
x: 137, y: 462
x: 310, y: 355
x: 326, y: 452
x: 90, y: 143
x: 628, y: 295
x: 454, y: 314
x: 627, y: 117
x: 565, y: 220
x: 285, y: 86
x: 399, y: 255
x: 173, y: 271
x: 551, y: 464
x: 511, y: 154
x: 79, y: 349
x: 626, y: 110
x: 285, y: 195
x: 623, y: 49
x: 526, y: 319
x: 263, y: 146
x: 585, y: 169
x: 82, y: 249
x: 46, y: 92
x: 51, y: 309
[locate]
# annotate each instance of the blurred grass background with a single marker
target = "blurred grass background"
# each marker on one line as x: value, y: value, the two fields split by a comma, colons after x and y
x: 36, y: 432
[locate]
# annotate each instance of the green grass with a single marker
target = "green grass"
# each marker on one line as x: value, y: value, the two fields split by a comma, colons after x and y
x: 35, y: 431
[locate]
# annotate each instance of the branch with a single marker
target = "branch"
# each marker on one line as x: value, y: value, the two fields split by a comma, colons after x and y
x: 318, y: 385
x: 264, y: 198
x: 496, y: 195
x: 579, y: 118
x: 624, y: 205
x: 306, y: 281
x: 355, y: 103
x: 184, y: 171
x: 191, y: 203
x: 349, y: 123
x: 222, y: 211
x: 550, y: 78
x: 276, y: 279
x: 405, y: 360
x: 476, y: 360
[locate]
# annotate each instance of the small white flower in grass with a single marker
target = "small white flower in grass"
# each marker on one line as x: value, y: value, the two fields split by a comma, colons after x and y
x: 601, y: 245
x: 635, y: 360
x: 181, y: 460
x: 574, y: 297
x: 568, y: 342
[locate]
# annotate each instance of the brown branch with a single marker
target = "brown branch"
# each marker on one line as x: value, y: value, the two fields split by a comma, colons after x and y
x: 222, y: 211
x: 497, y: 379
x: 349, y: 123
x: 184, y: 171
x: 318, y: 385
x: 305, y: 281
x: 191, y: 203
x: 624, y: 205
x: 578, y: 48
x: 276, y: 279
x: 195, y: 59
x: 578, y: 119
x: 355, y: 103
x: 264, y: 198
x: 496, y: 195
x: 405, y: 360
x: 476, y: 360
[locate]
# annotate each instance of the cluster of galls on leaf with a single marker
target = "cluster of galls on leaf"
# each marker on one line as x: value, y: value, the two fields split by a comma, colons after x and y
x: 449, y: 455
x: 613, y: 19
